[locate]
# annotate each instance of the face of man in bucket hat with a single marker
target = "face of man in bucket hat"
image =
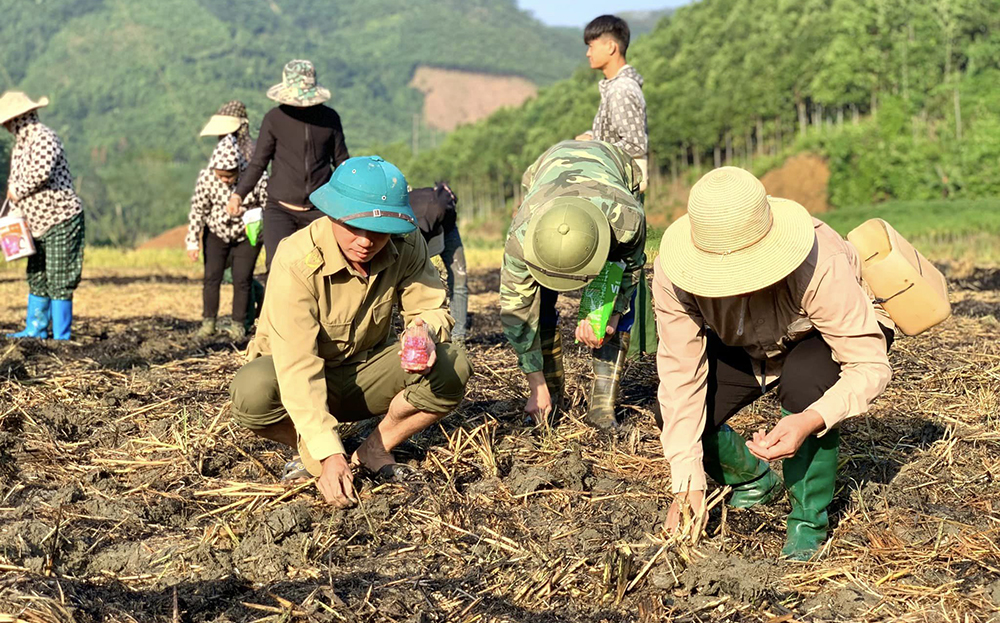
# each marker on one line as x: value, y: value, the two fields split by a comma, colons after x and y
x: 566, y: 243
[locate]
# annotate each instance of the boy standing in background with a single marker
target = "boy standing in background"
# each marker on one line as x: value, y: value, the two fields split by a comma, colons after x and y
x: 621, y: 117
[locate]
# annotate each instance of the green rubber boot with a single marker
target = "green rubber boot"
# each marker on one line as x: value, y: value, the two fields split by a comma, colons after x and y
x: 729, y: 462
x: 552, y: 366
x: 810, y: 477
x: 609, y: 365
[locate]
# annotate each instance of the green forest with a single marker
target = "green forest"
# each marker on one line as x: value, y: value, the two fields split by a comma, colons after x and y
x: 899, y: 95
x: 133, y: 81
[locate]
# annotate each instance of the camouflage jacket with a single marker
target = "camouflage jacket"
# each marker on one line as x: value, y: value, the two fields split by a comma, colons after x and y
x: 601, y: 173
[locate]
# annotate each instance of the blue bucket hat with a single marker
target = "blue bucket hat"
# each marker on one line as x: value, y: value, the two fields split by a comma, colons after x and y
x: 368, y: 193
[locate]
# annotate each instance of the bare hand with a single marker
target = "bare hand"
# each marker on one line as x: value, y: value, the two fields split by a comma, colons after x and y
x: 690, y: 503
x: 539, y: 404
x: 419, y: 329
x: 10, y: 195
x: 785, y: 438
x: 586, y: 136
x: 235, y: 205
x: 336, y: 483
x: 585, y: 332
x: 193, y: 255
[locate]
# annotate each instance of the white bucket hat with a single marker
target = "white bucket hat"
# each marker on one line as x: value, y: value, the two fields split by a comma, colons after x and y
x: 734, y: 238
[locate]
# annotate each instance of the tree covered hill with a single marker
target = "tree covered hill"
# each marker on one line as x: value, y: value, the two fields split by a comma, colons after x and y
x: 132, y: 81
x: 900, y: 95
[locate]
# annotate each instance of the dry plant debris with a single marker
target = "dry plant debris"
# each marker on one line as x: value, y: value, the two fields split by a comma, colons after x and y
x: 128, y: 495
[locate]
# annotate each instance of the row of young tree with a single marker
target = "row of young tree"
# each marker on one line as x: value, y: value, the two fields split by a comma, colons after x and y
x: 901, y: 95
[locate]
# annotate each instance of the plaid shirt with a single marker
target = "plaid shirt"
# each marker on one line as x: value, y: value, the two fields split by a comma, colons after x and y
x: 621, y: 117
x: 40, y: 180
x: 208, y: 204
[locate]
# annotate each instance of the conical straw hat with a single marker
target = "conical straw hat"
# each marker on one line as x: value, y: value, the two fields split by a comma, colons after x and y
x: 15, y: 103
x: 735, y: 239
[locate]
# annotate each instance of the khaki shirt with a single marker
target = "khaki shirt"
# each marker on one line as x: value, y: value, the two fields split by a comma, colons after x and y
x: 320, y: 312
x: 825, y: 293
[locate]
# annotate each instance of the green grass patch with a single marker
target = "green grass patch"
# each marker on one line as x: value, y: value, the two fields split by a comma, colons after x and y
x: 959, y: 230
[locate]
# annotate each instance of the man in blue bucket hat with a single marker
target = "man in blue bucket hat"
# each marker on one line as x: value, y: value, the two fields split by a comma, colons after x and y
x: 325, y: 351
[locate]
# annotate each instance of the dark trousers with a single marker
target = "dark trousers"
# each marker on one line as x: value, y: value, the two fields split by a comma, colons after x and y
x: 218, y: 254
x: 453, y: 257
x: 280, y: 223
x: 734, y: 379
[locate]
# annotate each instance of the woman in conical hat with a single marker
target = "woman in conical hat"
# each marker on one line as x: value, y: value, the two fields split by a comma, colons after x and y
x: 303, y: 141
x: 752, y: 294
x: 222, y: 237
x: 232, y: 120
x: 40, y: 188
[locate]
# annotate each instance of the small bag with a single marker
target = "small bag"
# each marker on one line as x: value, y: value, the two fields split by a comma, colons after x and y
x: 597, y: 301
x: 15, y: 238
x: 911, y: 290
x: 253, y: 221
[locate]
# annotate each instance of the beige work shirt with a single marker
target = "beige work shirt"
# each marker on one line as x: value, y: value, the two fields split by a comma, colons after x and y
x: 825, y: 293
x: 320, y: 312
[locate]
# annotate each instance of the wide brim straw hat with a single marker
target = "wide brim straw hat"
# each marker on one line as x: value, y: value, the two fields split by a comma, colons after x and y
x: 298, y: 86
x: 13, y: 104
x: 735, y: 239
x: 227, y: 120
x: 221, y: 125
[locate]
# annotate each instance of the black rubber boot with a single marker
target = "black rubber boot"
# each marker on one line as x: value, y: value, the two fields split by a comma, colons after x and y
x: 609, y: 365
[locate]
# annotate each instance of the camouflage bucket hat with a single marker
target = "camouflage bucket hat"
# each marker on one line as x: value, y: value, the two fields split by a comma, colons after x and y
x: 298, y: 86
x: 567, y: 243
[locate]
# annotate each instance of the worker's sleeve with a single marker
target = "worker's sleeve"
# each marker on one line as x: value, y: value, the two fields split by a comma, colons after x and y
x: 200, y: 205
x: 682, y: 367
x: 262, y: 156
x: 294, y: 348
x: 421, y: 293
x: 42, y: 155
x: 837, y: 305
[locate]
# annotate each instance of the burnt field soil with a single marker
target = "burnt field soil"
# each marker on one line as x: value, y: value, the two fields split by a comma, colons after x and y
x: 127, y: 494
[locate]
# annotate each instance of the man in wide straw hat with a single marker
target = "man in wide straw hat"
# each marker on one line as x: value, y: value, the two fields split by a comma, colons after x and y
x: 40, y: 187
x: 325, y: 351
x: 303, y: 141
x: 752, y: 293
x: 581, y: 209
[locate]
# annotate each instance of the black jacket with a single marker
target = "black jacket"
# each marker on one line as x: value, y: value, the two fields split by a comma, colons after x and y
x: 434, y: 209
x: 302, y: 144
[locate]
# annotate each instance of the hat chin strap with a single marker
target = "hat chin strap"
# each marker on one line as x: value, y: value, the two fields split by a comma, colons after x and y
x: 550, y: 273
x: 377, y: 213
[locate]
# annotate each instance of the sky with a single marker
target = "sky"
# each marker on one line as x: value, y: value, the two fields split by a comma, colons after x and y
x: 579, y: 12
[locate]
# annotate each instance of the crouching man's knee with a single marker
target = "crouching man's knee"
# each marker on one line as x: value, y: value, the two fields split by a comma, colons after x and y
x: 255, y: 395
x: 441, y: 390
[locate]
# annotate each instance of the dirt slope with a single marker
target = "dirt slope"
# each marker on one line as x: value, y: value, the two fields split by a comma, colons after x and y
x: 170, y: 239
x: 453, y: 97
x: 803, y: 178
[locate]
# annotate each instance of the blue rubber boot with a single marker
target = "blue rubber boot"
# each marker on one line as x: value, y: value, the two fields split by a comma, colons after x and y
x: 37, y: 322
x: 62, y: 319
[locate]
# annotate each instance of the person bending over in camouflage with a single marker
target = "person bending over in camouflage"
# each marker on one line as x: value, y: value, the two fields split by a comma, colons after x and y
x: 325, y: 351
x: 581, y: 209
